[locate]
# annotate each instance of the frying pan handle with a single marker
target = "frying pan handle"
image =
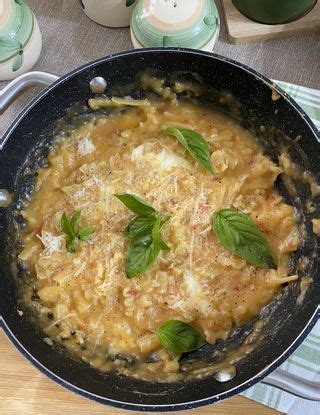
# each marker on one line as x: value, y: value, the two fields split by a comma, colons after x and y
x: 294, y: 384
x: 30, y: 79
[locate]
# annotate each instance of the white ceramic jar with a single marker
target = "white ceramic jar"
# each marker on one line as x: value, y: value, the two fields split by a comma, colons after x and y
x: 20, y: 39
x: 175, y: 23
x: 112, y: 13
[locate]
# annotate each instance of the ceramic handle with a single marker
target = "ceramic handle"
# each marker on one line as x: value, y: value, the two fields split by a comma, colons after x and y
x: 30, y: 79
x: 294, y: 384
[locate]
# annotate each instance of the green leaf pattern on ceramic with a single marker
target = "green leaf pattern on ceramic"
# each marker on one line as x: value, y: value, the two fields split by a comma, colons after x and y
x: 9, y: 45
x: 129, y: 3
x: 211, y: 20
x: 17, y: 63
x: 19, y: 23
x: 169, y: 41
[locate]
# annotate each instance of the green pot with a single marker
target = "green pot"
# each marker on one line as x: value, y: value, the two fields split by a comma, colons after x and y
x: 274, y: 11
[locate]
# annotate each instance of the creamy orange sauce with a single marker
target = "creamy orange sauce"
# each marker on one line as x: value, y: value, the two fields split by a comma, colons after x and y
x: 85, y: 299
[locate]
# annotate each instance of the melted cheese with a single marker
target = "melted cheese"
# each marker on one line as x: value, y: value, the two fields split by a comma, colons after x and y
x: 192, y: 284
x: 165, y: 160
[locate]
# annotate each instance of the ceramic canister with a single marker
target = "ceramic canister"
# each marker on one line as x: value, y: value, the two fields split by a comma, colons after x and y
x: 175, y: 23
x: 274, y: 11
x: 112, y: 13
x: 20, y: 39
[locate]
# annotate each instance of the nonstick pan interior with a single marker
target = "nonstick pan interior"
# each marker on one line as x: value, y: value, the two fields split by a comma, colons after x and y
x: 246, y: 96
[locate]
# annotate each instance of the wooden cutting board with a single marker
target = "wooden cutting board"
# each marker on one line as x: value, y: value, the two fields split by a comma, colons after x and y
x: 241, y: 29
x: 26, y: 391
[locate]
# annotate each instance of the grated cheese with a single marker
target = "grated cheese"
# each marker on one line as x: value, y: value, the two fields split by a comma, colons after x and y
x: 52, y: 243
x: 85, y: 146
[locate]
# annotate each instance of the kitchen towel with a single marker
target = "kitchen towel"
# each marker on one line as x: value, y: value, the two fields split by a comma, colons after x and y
x: 305, y: 361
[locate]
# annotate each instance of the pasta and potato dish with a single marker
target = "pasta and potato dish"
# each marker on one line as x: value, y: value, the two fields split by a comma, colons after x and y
x: 125, y: 235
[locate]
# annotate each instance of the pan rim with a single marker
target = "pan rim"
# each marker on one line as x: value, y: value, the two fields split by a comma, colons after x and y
x: 184, y: 405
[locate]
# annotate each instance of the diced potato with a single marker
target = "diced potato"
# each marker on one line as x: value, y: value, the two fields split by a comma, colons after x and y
x: 28, y: 252
x: 148, y: 343
x: 49, y: 294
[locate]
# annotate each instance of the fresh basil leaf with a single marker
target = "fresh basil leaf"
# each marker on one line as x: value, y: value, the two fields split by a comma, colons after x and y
x: 71, y: 236
x: 142, y: 253
x: 144, y: 232
x: 179, y: 337
x: 238, y: 233
x: 156, y: 235
x: 85, y: 233
x: 164, y: 219
x: 70, y: 244
x: 137, y: 205
x: 66, y: 226
x: 194, y: 143
x: 145, y: 246
x: 75, y: 218
x: 140, y: 225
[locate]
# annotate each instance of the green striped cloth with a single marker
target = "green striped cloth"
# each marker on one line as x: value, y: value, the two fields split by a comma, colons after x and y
x: 305, y: 361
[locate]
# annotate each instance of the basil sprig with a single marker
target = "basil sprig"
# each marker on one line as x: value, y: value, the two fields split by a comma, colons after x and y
x: 72, y: 235
x: 144, y: 232
x: 179, y: 336
x: 137, y: 205
x: 194, y: 143
x: 139, y: 225
x: 238, y: 233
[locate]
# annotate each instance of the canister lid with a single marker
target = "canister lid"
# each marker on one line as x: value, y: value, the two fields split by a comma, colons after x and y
x: 175, y: 23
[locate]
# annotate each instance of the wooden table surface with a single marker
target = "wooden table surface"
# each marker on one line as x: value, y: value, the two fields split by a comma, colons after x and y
x: 24, y: 390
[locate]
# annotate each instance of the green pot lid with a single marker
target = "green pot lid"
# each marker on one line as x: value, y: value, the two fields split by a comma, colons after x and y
x: 175, y: 23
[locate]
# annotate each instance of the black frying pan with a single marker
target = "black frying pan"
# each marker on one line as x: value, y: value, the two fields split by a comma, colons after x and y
x: 275, y: 122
